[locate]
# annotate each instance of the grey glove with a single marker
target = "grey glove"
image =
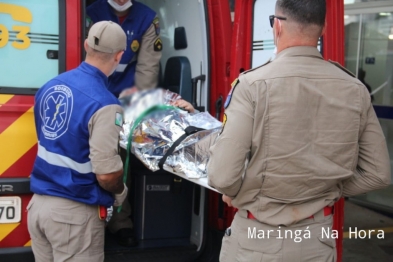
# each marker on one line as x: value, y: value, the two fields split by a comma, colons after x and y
x: 119, y: 198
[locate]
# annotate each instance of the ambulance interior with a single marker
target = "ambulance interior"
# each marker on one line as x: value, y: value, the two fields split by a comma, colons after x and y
x: 167, y: 211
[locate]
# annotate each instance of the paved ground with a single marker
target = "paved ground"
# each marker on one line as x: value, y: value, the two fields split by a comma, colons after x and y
x: 369, y: 249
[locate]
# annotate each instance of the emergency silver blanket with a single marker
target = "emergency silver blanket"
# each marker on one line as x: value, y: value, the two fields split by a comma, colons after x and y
x: 155, y: 125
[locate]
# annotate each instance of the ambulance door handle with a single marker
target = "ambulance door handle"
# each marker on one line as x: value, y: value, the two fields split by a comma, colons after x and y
x: 195, y: 81
x: 218, y: 107
x: 52, y: 54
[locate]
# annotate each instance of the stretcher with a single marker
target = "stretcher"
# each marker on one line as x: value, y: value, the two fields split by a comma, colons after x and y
x: 199, y: 181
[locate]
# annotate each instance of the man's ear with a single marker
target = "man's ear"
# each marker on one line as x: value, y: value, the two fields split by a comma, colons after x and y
x: 85, y: 45
x: 118, y: 56
x: 277, y: 25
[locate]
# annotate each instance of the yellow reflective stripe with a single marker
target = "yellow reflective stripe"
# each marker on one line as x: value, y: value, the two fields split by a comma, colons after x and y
x: 28, y: 244
x: 18, y: 139
x: 6, y: 229
x: 4, y: 99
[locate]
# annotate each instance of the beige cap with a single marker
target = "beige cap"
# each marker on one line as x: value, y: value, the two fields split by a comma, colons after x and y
x: 107, y: 37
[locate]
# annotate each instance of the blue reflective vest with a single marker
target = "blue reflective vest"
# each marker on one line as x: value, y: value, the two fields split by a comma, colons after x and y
x: 63, y: 108
x: 139, y: 19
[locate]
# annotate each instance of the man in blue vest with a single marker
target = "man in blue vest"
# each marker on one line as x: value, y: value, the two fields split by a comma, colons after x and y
x: 78, y: 171
x: 139, y: 67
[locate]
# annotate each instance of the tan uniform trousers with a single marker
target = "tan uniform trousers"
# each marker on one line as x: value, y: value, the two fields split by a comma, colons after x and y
x: 65, y: 230
x: 253, y: 241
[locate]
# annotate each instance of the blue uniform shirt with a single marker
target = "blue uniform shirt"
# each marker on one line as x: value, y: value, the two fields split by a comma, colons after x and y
x: 139, y: 19
x: 63, y: 108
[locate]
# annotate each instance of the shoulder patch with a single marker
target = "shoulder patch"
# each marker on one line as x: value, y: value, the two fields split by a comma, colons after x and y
x: 229, y: 97
x: 342, y: 68
x: 224, y: 121
x: 118, y: 119
x: 156, y: 23
x: 158, y: 45
x: 255, y: 68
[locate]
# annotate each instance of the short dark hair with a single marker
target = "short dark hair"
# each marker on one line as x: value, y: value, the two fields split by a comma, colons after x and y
x: 304, y: 11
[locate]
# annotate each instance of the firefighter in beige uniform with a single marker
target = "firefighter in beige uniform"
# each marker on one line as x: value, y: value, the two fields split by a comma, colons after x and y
x: 300, y: 133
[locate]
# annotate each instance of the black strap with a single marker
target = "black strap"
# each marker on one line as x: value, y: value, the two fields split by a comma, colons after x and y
x: 188, y: 131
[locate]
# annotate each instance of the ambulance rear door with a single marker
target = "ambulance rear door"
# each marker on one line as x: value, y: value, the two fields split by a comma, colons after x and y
x: 196, y: 34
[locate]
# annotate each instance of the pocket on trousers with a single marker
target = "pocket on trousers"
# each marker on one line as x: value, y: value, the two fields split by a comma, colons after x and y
x: 330, y: 242
x: 261, y: 246
x: 328, y: 250
x: 65, y: 230
x: 224, y: 247
x: 97, y: 239
x: 30, y: 204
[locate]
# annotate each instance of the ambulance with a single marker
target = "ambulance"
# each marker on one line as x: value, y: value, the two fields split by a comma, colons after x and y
x: 206, y: 44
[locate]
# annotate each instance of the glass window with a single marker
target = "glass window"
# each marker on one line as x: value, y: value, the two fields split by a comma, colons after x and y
x: 29, y: 42
x: 369, y: 55
x: 368, y: 51
x: 263, y: 43
x: 263, y: 48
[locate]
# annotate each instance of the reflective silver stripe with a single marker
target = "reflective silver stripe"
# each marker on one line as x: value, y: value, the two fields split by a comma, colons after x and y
x: 121, y: 67
x: 63, y: 161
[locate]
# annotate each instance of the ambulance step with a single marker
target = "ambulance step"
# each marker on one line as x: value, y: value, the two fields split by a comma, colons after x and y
x: 178, y: 254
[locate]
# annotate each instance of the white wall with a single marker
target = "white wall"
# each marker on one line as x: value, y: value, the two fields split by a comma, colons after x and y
x: 191, y: 15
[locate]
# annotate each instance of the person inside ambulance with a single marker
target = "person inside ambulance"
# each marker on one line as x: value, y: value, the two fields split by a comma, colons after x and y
x: 138, y: 70
x: 300, y: 133
x: 139, y: 66
x: 78, y: 171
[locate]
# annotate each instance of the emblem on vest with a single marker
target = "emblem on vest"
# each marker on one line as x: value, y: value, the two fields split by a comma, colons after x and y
x: 135, y: 46
x: 55, y: 111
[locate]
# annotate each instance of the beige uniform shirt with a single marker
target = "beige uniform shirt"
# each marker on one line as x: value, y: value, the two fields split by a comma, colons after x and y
x: 104, y: 130
x: 300, y: 133
x: 148, y: 60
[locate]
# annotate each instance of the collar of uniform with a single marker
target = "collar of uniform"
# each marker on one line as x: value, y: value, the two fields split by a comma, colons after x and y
x: 299, y: 51
x: 94, y: 71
